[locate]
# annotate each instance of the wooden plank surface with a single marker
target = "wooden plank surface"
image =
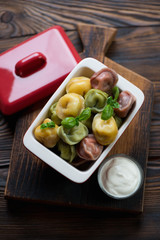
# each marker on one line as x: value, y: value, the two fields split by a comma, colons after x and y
x: 35, y: 181
x: 136, y: 47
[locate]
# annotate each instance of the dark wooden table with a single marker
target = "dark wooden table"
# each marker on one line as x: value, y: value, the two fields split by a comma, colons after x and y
x: 137, y: 47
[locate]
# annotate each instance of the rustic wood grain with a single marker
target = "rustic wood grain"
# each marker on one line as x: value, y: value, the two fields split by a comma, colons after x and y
x: 35, y: 179
x: 32, y: 221
x: 20, y: 17
x: 98, y: 37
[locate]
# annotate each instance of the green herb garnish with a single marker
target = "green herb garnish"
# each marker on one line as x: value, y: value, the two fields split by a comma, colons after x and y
x: 85, y: 114
x: 115, y: 91
x: 111, y: 104
x: 107, y: 112
x: 47, y: 125
x: 70, y: 122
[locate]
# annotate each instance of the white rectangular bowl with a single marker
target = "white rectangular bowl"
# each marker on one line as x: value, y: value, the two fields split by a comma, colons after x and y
x: 85, y: 68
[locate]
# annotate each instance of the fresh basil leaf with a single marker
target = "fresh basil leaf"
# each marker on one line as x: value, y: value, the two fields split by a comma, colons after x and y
x: 115, y: 91
x: 50, y: 124
x: 43, y: 126
x: 107, y: 112
x: 112, y: 102
x: 77, y: 121
x: 69, y: 122
x: 115, y: 105
x: 109, y: 100
x: 85, y: 114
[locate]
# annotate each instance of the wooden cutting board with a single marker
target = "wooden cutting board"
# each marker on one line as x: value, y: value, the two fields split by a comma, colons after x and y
x: 31, y: 179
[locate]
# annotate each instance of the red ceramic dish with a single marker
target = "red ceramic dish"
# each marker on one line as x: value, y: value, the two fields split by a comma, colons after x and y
x: 35, y: 68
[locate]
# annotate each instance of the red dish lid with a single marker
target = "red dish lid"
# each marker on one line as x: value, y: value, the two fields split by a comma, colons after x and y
x: 35, y: 68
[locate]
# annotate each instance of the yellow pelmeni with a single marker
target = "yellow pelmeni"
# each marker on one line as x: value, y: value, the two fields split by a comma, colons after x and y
x: 105, y: 131
x: 69, y: 105
x: 47, y: 136
x: 79, y: 85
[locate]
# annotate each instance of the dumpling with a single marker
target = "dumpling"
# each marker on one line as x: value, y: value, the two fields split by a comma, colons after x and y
x: 104, y: 80
x: 126, y: 101
x: 105, y: 131
x: 52, y: 114
x: 69, y: 105
x: 73, y: 135
x: 47, y: 136
x: 96, y: 100
x: 89, y: 148
x: 79, y: 85
x: 67, y: 152
x: 118, y: 120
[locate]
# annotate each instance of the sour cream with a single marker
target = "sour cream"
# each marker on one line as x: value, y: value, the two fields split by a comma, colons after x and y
x: 120, y: 176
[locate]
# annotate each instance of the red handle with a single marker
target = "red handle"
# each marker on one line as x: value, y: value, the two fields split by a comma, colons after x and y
x: 30, y: 64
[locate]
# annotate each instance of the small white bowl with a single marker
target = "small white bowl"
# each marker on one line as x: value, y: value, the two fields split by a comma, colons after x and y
x: 123, y: 181
x: 85, y: 68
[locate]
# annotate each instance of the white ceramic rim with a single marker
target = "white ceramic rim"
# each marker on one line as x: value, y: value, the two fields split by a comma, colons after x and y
x: 54, y: 160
